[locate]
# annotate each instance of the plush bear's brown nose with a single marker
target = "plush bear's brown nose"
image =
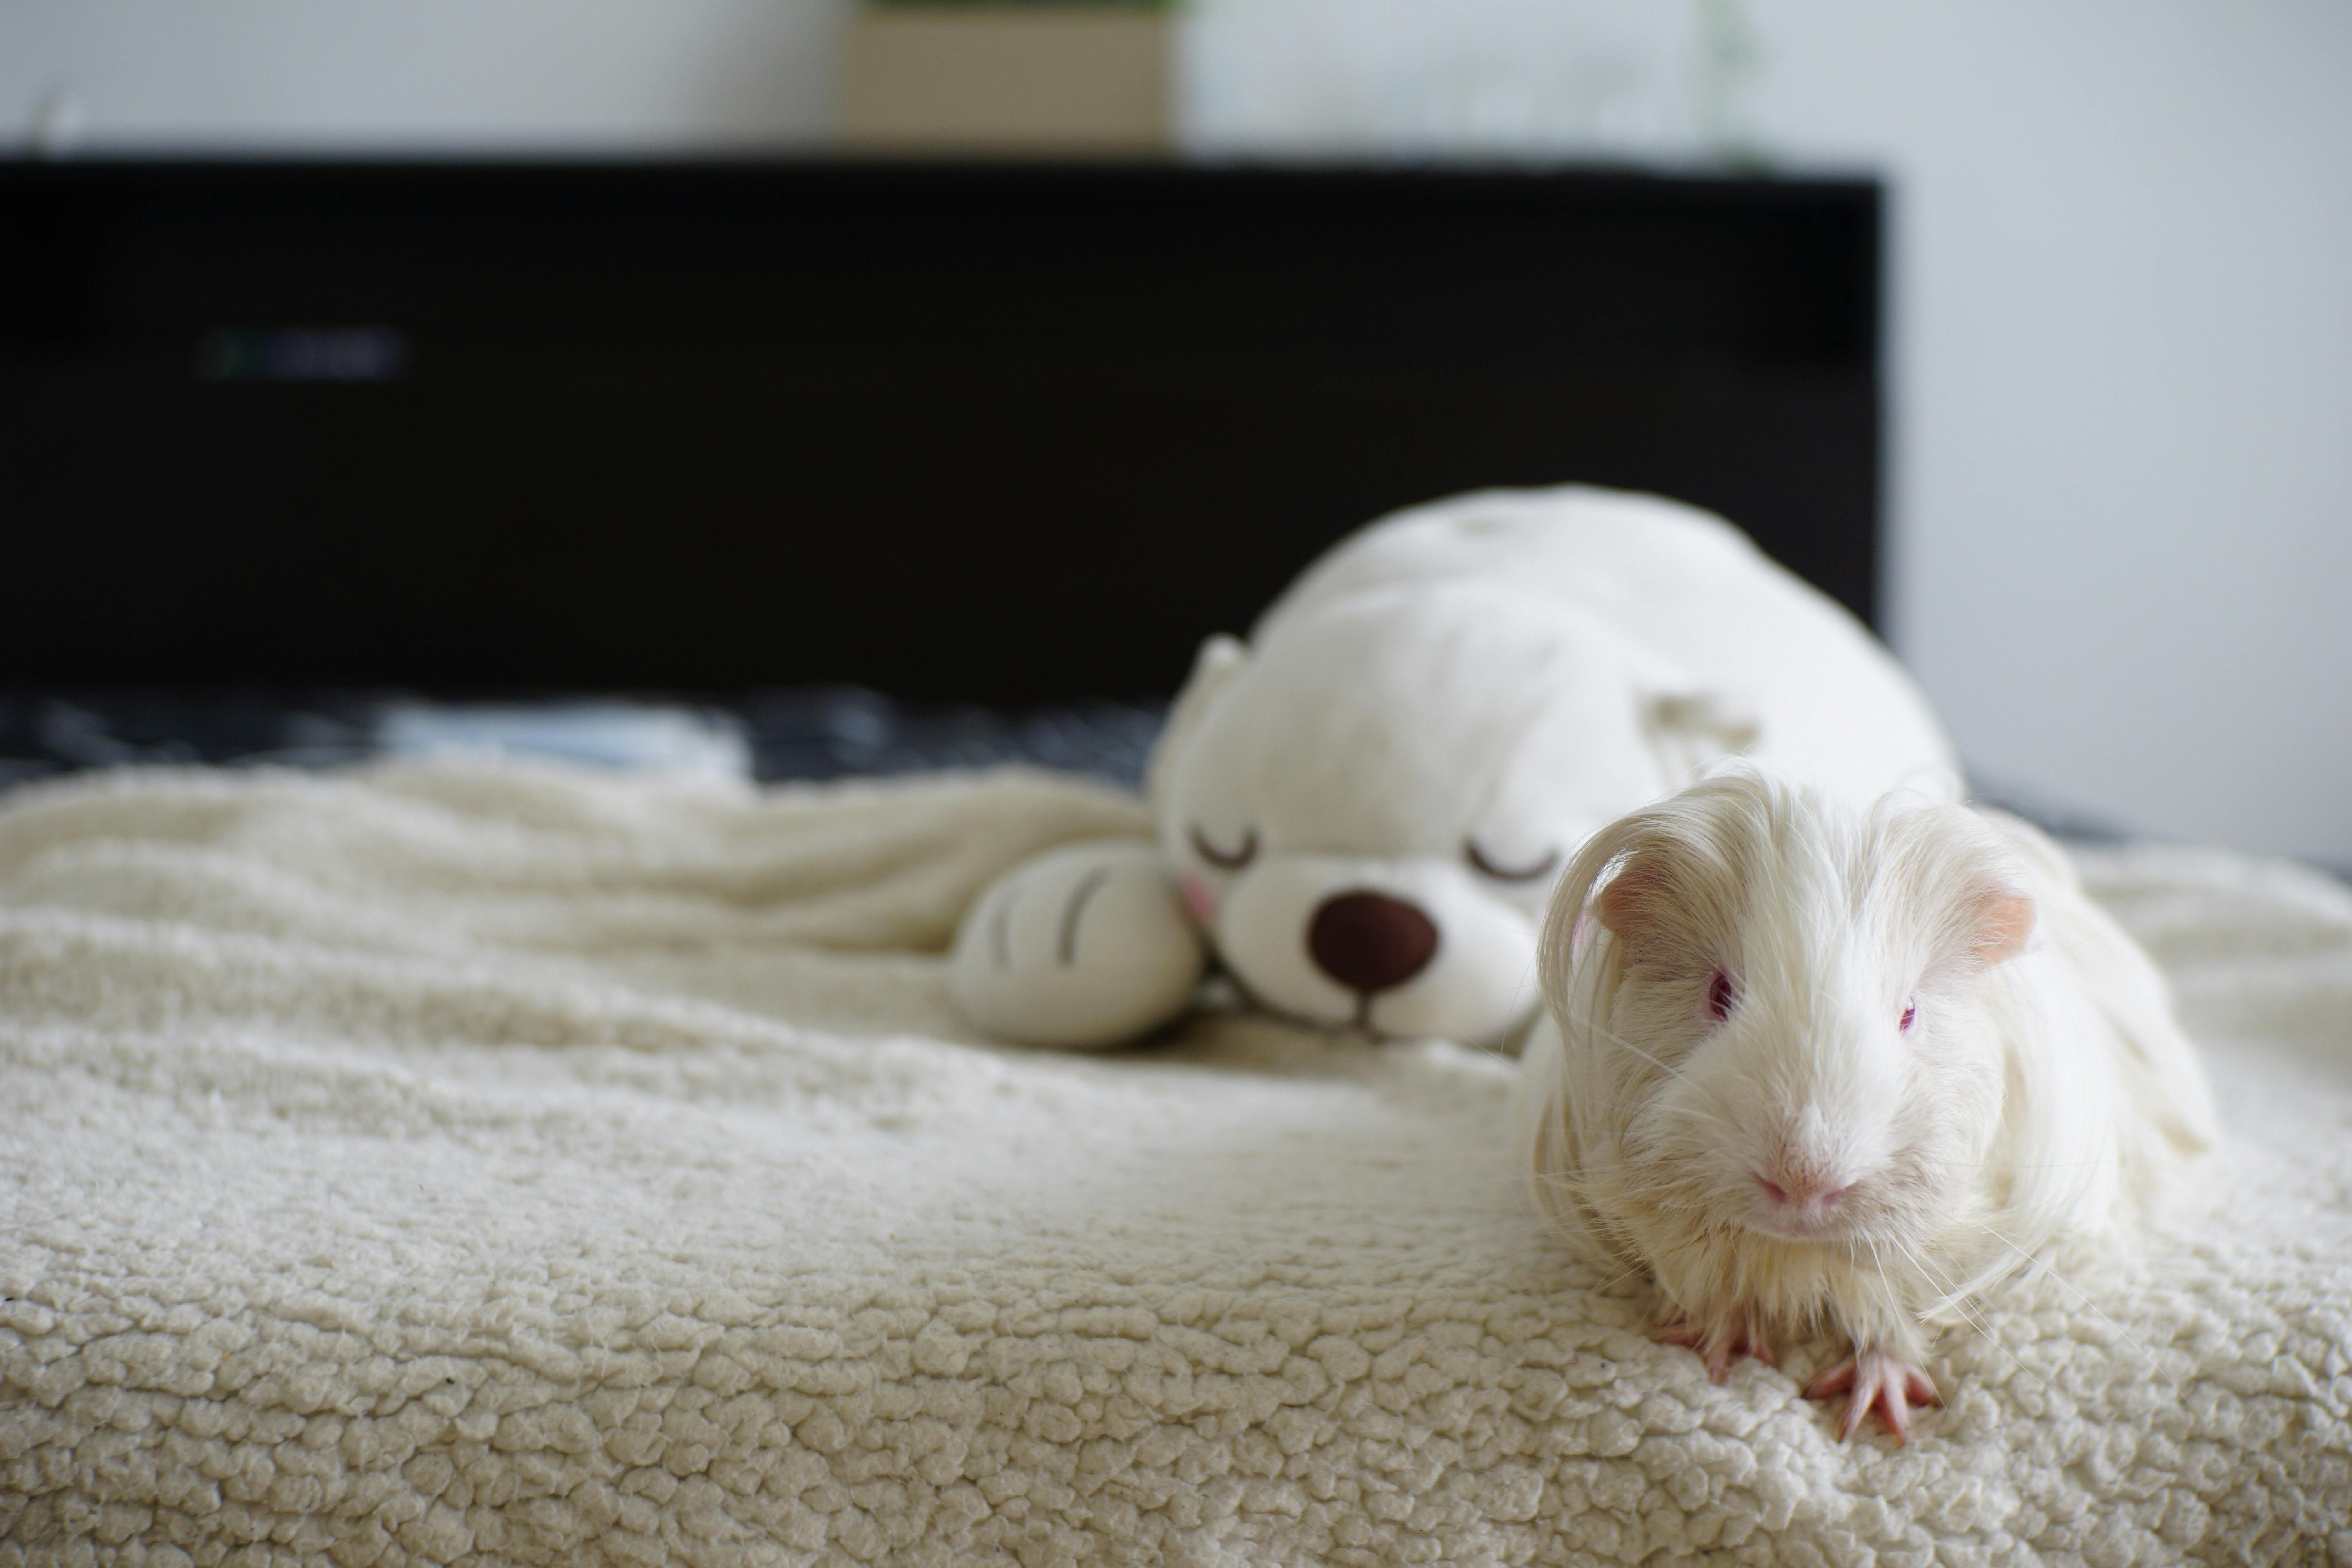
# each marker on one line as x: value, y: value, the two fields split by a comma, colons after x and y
x: 1369, y: 941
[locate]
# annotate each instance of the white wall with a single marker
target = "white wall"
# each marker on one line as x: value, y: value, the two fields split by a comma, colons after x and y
x: 428, y: 75
x: 2123, y: 277
x: 2124, y: 417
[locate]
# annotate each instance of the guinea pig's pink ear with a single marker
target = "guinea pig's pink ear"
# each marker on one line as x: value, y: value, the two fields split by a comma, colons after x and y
x: 2001, y: 923
x: 1631, y: 896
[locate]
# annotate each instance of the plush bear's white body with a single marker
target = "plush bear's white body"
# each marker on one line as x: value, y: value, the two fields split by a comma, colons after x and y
x: 1362, y: 812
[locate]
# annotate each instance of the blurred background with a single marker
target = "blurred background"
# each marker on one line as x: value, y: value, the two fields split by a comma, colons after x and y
x: 2118, y: 493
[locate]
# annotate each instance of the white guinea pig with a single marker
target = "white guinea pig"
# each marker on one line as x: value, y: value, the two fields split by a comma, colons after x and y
x: 1817, y: 1068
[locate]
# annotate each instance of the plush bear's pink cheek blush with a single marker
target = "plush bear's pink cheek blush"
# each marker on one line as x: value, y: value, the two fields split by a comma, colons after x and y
x: 1198, y: 898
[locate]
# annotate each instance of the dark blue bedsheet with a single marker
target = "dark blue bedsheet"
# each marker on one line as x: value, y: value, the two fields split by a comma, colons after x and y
x: 806, y: 733
x: 800, y: 733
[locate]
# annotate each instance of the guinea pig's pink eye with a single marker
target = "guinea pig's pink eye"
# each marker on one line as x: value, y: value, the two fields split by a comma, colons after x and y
x: 1720, y: 994
x: 1228, y: 859
x: 1910, y: 1016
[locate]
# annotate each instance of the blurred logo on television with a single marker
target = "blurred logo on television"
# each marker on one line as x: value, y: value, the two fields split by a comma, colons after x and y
x: 303, y: 353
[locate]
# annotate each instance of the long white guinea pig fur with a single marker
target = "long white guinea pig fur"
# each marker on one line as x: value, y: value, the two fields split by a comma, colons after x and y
x: 1821, y: 1067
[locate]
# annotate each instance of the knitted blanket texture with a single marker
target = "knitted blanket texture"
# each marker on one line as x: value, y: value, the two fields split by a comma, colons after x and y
x: 483, y: 1165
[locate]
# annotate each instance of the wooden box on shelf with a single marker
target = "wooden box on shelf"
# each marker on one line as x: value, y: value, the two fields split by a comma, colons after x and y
x: 1009, y: 78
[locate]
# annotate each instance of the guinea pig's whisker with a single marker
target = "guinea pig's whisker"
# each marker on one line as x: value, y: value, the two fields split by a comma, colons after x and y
x: 1674, y: 1075
x: 1981, y: 1326
x: 2083, y: 1296
x: 2003, y: 1164
x: 1879, y: 1261
x: 1957, y: 1302
x: 1984, y: 1326
x: 1648, y: 1187
x: 1604, y: 1289
x: 1621, y: 1043
x: 1699, y: 1113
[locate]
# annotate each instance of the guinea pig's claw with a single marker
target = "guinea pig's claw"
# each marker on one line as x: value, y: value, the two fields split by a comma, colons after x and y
x: 1876, y: 1380
x: 1717, y: 1346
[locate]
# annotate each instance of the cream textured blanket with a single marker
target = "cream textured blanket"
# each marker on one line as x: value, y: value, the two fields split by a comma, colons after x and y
x: 476, y: 1166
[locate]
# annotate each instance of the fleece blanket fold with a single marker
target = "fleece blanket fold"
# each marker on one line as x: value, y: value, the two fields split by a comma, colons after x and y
x: 483, y: 1166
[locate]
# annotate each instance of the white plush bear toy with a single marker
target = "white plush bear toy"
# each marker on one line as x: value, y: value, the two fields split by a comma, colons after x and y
x: 1362, y: 812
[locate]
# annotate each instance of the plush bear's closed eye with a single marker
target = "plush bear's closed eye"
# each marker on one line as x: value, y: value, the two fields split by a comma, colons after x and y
x: 1229, y: 859
x: 1503, y: 871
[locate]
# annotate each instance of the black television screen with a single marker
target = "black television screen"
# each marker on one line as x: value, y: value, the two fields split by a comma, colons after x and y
x: 1001, y: 434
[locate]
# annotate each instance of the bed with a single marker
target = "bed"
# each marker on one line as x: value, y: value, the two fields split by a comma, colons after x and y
x: 479, y: 1160
x: 477, y: 1165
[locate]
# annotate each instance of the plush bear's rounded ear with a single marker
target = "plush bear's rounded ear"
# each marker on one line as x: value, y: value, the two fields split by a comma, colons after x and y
x: 1221, y: 658
x: 1690, y: 732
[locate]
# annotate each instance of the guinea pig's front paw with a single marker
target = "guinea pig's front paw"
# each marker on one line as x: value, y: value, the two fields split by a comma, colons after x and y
x: 1734, y: 1334
x: 1085, y: 945
x: 1877, y: 1379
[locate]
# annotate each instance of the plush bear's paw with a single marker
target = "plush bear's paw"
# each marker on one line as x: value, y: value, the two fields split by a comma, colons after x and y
x: 1087, y: 945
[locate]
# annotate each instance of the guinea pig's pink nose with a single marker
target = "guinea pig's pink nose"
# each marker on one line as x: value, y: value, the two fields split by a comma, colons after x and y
x: 1804, y: 1189
x: 1369, y: 941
